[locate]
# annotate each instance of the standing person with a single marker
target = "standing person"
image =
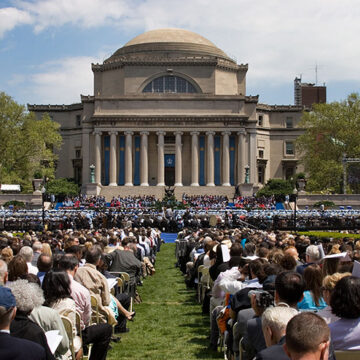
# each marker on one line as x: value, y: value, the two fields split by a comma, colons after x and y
x: 27, y: 253
x: 13, y: 348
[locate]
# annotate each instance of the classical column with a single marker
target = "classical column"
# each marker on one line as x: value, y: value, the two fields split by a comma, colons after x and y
x: 210, y: 159
x: 195, y: 158
x: 225, y: 159
x: 144, y: 181
x: 128, y: 159
x: 178, y: 159
x: 113, y: 167
x: 161, y: 165
x: 85, y: 152
x: 241, y: 158
x: 252, y: 157
x: 97, y: 134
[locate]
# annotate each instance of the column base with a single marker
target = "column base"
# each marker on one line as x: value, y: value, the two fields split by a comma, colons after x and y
x: 195, y: 184
x: 113, y: 184
x: 129, y: 184
x: 178, y: 184
x: 161, y: 184
x: 210, y: 184
x: 226, y: 184
x: 144, y: 184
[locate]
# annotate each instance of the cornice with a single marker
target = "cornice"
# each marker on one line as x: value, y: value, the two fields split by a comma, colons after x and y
x: 53, y: 108
x: 120, y: 62
x: 279, y: 108
x: 173, y: 97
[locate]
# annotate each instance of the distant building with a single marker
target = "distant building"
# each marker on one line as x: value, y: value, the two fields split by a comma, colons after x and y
x: 306, y: 94
x: 170, y: 109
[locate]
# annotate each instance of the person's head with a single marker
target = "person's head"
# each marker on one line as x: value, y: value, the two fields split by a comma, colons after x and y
x: 17, y: 268
x: 289, y: 288
x: 345, y: 299
x: 307, y: 334
x: 74, y: 249
x: 291, y: 250
x: 37, y: 246
x: 274, y: 321
x: 28, y: 295
x: 312, y: 254
x: 46, y: 249
x: 288, y: 262
x: 7, y: 254
x: 328, y: 284
x: 256, y: 269
x: 56, y: 286
x: 44, y: 263
x: 93, y: 256
x: 3, y: 272
x: 7, y: 308
x: 68, y: 263
x: 27, y: 253
x: 313, y: 281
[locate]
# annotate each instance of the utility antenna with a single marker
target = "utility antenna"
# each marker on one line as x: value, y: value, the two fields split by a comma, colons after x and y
x: 316, y: 73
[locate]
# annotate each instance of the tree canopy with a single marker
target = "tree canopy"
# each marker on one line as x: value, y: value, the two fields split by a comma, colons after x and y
x: 278, y: 188
x: 62, y: 187
x: 331, y: 131
x: 26, y: 144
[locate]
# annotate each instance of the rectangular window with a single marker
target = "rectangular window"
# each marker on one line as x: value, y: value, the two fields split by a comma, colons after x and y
x: 260, y: 121
x: 261, y: 154
x: 261, y: 174
x: 77, y: 153
x: 169, y: 139
x: 78, y: 120
x: 289, y: 173
x: 289, y: 122
x: 289, y: 148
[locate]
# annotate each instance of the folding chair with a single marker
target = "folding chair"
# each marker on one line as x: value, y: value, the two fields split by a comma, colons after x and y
x: 95, y: 317
x: 69, y: 331
x: 199, y: 285
x: 204, y: 286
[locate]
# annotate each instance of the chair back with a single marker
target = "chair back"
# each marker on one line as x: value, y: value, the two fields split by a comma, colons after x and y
x: 69, y: 331
x: 95, y: 317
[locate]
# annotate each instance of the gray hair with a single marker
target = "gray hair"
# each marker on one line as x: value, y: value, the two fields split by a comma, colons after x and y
x: 27, y: 253
x: 3, y: 270
x: 276, y: 318
x: 27, y: 295
x: 313, y: 252
x: 37, y: 245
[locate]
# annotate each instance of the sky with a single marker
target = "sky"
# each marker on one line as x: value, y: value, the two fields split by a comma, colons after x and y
x: 47, y: 46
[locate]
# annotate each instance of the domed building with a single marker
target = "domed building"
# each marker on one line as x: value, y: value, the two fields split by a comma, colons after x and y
x: 170, y: 109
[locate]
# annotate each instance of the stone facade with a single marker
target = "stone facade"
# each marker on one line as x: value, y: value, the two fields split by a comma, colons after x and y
x: 170, y: 108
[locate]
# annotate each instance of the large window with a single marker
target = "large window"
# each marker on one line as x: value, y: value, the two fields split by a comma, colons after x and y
x: 289, y: 148
x: 169, y: 84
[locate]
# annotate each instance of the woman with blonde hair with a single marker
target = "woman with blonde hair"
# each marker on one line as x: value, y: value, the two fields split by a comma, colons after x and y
x: 46, y: 249
x: 7, y: 254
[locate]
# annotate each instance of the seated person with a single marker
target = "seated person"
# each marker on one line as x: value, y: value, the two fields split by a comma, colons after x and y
x: 274, y: 321
x: 307, y: 337
x: 13, y: 348
x: 345, y: 304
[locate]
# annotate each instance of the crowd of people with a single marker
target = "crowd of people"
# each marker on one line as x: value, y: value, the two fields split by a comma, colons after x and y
x: 272, y: 295
x: 205, y: 201
x: 253, y: 202
x: 134, y: 202
x: 84, y: 201
x: 48, y: 276
x: 168, y: 220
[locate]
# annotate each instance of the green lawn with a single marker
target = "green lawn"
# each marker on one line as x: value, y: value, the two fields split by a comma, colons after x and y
x: 168, y: 323
x: 329, y: 234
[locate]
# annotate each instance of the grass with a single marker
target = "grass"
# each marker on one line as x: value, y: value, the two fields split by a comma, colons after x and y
x: 334, y: 235
x: 168, y: 323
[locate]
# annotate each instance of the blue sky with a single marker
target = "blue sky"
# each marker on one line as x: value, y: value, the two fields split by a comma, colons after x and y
x: 47, y: 46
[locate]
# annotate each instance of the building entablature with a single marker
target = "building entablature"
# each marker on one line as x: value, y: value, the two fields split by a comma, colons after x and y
x: 279, y: 108
x: 52, y: 108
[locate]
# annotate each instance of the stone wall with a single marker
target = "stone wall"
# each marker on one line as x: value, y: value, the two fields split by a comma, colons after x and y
x: 352, y: 200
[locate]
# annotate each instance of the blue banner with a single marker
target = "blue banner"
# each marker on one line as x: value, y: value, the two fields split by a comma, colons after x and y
x: 202, y: 160
x: 106, y: 159
x: 217, y: 142
x: 137, y: 160
x: 169, y: 160
x: 232, y: 160
x: 121, y: 160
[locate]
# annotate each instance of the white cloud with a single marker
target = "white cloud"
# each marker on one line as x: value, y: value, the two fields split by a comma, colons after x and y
x: 62, y: 81
x: 11, y: 17
x: 280, y: 39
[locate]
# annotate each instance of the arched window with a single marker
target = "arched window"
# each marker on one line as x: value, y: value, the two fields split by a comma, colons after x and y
x: 169, y: 84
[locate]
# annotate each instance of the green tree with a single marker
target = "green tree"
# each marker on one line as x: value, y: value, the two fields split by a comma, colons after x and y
x: 331, y: 130
x: 277, y: 187
x: 62, y: 187
x: 26, y: 144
